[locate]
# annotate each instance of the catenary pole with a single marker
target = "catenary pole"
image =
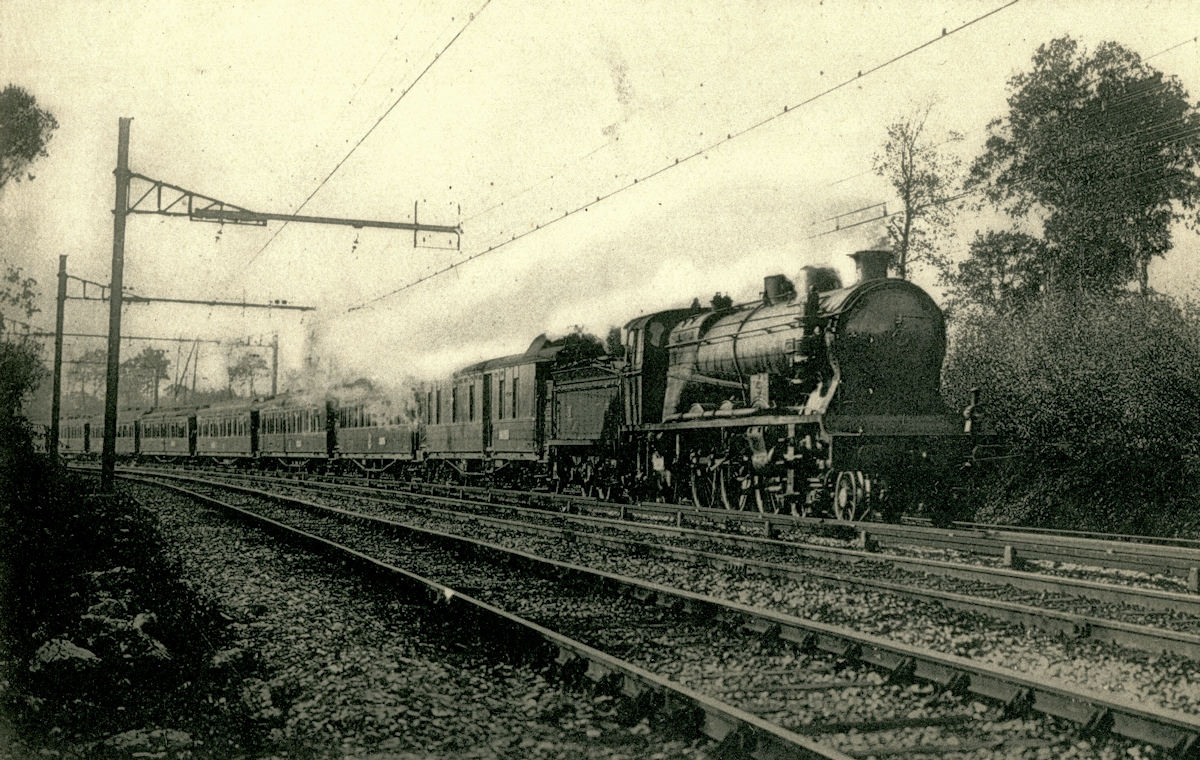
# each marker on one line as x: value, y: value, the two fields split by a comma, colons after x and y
x: 108, y: 459
x: 56, y: 398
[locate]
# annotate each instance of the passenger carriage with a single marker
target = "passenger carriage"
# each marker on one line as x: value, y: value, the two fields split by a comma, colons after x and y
x: 73, y: 437
x: 374, y: 433
x: 295, y: 431
x: 128, y: 432
x: 488, y: 416
x: 168, y: 434
x: 225, y: 432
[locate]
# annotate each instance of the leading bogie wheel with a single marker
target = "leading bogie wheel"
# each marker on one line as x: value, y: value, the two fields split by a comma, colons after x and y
x: 850, y: 495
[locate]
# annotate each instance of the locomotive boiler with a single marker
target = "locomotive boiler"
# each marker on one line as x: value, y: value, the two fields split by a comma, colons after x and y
x: 818, y: 399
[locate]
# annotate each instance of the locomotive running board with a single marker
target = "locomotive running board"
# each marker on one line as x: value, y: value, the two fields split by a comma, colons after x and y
x: 747, y: 421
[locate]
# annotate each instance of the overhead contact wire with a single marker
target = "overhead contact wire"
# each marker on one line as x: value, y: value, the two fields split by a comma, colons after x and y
x: 437, y: 56
x: 679, y: 161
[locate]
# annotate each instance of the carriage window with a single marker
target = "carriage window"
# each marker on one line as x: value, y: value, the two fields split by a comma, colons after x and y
x: 454, y: 404
x: 516, y: 407
x: 438, y: 408
x: 471, y: 402
x: 500, y: 399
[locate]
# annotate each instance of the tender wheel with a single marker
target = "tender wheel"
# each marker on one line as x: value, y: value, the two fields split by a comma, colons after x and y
x: 850, y: 495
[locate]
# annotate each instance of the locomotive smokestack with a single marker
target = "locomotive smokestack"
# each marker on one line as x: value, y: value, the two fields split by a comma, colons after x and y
x: 871, y: 265
x: 778, y: 289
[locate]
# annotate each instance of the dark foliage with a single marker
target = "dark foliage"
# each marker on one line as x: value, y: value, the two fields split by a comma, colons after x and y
x: 1103, y: 148
x: 1097, y: 400
x: 90, y: 570
x: 1002, y: 272
x: 613, y: 344
x: 245, y: 370
x: 21, y: 368
x: 24, y: 131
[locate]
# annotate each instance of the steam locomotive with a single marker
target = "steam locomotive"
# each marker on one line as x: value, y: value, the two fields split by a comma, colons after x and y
x: 818, y: 400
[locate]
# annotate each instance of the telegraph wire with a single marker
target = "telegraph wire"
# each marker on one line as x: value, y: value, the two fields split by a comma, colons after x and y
x: 1116, y: 101
x: 683, y: 160
x: 1163, y: 139
x: 470, y: 18
x: 605, y: 144
x: 386, y: 49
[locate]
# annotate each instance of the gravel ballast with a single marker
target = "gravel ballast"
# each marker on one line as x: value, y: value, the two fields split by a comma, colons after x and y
x: 361, y: 673
x: 743, y: 677
x: 1167, y: 681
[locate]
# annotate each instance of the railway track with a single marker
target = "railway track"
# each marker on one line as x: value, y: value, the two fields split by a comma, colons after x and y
x: 952, y: 680
x: 1146, y: 619
x: 1176, y: 562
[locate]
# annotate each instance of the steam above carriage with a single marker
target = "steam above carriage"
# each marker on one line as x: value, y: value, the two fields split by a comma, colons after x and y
x: 820, y: 398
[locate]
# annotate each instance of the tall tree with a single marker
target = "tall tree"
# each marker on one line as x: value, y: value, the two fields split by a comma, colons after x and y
x: 145, y: 371
x: 243, y: 372
x: 21, y: 368
x: 613, y: 344
x: 924, y: 179
x: 24, y: 131
x: 88, y: 370
x: 1103, y: 148
x: 1003, y: 271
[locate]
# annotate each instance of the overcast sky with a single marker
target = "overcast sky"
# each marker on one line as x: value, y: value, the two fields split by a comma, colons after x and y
x: 537, y: 108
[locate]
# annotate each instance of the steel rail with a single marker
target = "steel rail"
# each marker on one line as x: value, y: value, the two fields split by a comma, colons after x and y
x: 1119, y: 551
x: 1133, y: 635
x: 717, y: 720
x: 1177, y: 556
x: 1137, y: 538
x: 1151, y: 599
x: 1098, y: 713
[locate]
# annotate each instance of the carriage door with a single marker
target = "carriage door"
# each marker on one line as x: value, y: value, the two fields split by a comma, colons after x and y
x: 486, y: 410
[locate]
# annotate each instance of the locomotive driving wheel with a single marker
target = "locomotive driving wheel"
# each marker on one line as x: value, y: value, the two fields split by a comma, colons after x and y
x: 850, y: 495
x: 711, y: 484
x: 746, y: 492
